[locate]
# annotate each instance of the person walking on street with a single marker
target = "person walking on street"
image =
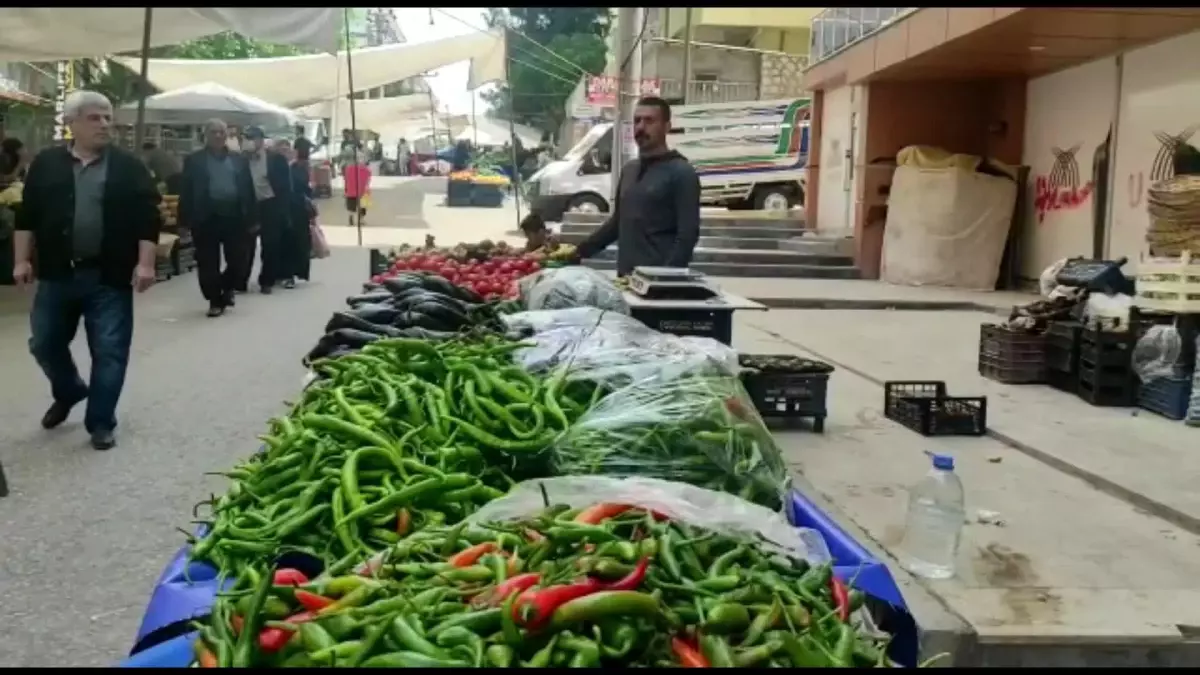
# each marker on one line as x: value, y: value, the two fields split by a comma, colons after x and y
x: 357, y: 184
x: 90, y: 211
x: 403, y: 157
x: 656, y: 218
x: 216, y: 204
x: 297, y: 241
x: 164, y: 166
x: 272, y: 181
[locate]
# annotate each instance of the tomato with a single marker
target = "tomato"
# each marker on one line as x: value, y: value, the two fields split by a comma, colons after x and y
x: 377, y: 279
x: 448, y: 272
x: 533, y: 266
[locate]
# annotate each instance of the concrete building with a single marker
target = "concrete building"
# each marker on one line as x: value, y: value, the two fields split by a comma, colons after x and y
x: 27, y: 93
x: 1102, y: 91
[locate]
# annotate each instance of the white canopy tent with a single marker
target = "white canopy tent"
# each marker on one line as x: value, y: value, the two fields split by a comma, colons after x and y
x: 57, y: 34
x: 199, y: 103
x: 302, y: 80
x: 488, y: 131
x: 372, y: 113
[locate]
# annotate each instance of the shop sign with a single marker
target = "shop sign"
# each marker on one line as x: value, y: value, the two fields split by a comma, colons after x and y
x: 602, y: 89
x: 1163, y: 166
x: 1061, y: 189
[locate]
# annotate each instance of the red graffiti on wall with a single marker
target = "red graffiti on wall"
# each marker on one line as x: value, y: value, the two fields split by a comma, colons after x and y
x: 1060, y: 189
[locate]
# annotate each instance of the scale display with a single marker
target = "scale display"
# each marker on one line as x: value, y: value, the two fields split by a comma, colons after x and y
x: 670, y: 283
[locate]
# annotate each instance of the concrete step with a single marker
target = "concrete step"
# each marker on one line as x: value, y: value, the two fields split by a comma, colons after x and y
x: 722, y: 219
x: 818, y: 245
x: 769, y: 244
x: 751, y: 257
x: 710, y: 230
x: 720, y: 269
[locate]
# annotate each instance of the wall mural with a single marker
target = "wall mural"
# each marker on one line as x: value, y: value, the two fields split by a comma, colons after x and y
x: 1060, y: 189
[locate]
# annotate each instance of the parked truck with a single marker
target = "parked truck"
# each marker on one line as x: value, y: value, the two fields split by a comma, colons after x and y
x: 748, y: 154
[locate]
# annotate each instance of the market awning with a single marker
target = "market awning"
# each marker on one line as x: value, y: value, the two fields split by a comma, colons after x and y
x: 487, y: 131
x: 371, y: 113
x: 57, y: 33
x: 302, y: 80
x: 199, y: 103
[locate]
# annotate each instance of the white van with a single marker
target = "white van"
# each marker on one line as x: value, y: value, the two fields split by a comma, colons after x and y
x: 748, y: 154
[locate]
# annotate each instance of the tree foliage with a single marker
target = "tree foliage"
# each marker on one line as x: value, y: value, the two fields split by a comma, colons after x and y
x: 549, y: 51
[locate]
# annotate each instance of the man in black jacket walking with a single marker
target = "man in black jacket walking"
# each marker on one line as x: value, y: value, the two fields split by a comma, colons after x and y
x: 91, y: 212
x: 271, y: 179
x: 655, y: 219
x: 216, y: 203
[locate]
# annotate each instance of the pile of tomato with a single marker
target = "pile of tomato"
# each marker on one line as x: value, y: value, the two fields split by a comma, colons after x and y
x: 493, y: 278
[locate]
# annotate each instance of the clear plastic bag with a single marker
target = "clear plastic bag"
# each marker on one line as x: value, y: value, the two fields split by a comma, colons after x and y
x: 1192, y: 419
x: 611, y: 348
x: 1156, y: 354
x: 716, y: 511
x: 689, y: 421
x: 574, y: 286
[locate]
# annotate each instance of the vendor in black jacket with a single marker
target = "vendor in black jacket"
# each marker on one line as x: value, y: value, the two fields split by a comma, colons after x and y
x: 90, y: 210
x: 272, y: 180
x: 655, y: 219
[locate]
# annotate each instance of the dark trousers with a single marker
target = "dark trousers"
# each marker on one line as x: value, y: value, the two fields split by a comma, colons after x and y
x: 272, y: 224
x: 220, y: 235
x: 107, y: 315
x: 298, y: 246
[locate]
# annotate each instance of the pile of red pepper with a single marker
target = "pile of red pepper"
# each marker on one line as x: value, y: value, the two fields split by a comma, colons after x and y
x: 493, y: 278
x: 607, y: 586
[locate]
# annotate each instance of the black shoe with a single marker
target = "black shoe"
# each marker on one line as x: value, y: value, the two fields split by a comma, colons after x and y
x: 58, y: 412
x: 289, y: 283
x: 265, y: 290
x: 215, y: 311
x: 103, y: 440
x: 229, y: 299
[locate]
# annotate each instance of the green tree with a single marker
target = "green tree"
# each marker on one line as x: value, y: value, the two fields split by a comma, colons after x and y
x: 549, y: 50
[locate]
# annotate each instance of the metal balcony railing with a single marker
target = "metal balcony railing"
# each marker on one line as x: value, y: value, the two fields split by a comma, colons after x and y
x: 837, y: 28
x: 709, y: 91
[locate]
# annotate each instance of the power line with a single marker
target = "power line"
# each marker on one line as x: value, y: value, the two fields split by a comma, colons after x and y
x: 577, y: 67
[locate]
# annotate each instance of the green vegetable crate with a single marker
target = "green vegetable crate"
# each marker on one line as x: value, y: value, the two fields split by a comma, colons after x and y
x: 787, y: 389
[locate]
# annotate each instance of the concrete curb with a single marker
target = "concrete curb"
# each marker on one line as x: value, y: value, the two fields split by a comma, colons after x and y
x: 869, y: 304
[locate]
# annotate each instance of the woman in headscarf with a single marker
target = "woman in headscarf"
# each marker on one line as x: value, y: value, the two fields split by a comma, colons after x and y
x: 297, y: 240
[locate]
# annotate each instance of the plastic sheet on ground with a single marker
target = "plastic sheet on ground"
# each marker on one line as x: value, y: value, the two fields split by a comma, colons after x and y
x: 708, y: 509
x: 567, y: 287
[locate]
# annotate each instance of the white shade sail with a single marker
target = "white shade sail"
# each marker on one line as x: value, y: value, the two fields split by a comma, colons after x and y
x: 302, y: 80
x: 57, y: 33
x: 488, y: 131
x: 372, y: 113
x: 199, y: 103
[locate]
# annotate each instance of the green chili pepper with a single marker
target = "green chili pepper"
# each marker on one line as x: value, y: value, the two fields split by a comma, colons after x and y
x: 604, y: 604
x: 717, y: 651
x: 484, y: 622
x: 410, y: 660
x: 500, y: 656
x: 544, y: 655
x: 726, y: 619
x: 410, y: 640
x: 243, y: 652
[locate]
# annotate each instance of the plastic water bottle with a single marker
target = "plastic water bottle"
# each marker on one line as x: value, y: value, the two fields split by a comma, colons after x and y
x: 935, y: 518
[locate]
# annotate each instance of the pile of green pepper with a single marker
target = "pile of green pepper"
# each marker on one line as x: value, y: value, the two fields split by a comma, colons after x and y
x: 698, y: 429
x: 402, y: 435
x: 606, y: 586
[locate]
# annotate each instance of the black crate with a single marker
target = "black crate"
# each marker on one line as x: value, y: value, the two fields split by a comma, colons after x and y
x: 1167, y: 396
x: 1011, y: 357
x: 163, y: 270
x: 709, y: 323
x: 1061, y: 361
x: 1063, y: 380
x: 378, y: 262
x: 1063, y: 334
x: 924, y: 407
x: 787, y: 394
x: 1107, y: 386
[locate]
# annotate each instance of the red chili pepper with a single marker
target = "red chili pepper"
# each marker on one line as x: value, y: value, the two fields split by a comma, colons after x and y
x: 287, y: 576
x: 403, y: 522
x: 271, y: 640
x: 688, y: 654
x: 534, y: 535
x: 207, y: 658
x: 311, y: 601
x: 236, y: 622
x: 517, y: 584
x: 633, y: 580
x: 841, y: 598
x: 472, y: 555
x: 534, y: 607
x: 600, y: 512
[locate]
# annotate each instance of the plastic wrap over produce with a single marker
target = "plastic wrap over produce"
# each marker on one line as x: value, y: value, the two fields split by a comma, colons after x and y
x: 717, y: 511
x: 1156, y: 354
x: 611, y: 348
x: 567, y: 287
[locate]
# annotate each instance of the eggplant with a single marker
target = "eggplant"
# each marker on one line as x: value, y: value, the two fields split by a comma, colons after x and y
x: 371, y: 297
x: 341, y: 320
x: 411, y: 319
x: 351, y: 337
x: 442, y: 312
x: 426, y: 334
x: 441, y: 285
x: 415, y: 294
x: 378, y: 314
x: 401, y: 283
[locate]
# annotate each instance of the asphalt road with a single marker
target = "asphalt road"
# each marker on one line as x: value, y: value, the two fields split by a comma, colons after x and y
x: 85, y: 534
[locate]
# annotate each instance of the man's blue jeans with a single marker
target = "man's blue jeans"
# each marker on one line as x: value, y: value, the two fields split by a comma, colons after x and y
x: 107, y: 315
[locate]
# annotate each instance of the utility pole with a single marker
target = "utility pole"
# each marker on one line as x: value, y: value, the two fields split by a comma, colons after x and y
x: 687, y: 53
x: 626, y: 33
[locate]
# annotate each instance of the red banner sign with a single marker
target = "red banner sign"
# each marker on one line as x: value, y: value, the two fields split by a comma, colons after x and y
x: 602, y: 89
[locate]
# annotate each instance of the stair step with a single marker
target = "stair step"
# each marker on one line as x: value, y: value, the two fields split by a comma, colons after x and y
x: 816, y: 245
x: 708, y: 230
x: 769, y: 243
x: 750, y: 256
x: 719, y: 218
x: 720, y: 269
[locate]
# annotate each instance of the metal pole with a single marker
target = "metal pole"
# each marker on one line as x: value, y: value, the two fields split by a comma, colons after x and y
x: 139, y: 129
x: 353, y: 121
x: 512, y: 129
x: 687, y: 54
x: 626, y: 32
x: 474, y: 122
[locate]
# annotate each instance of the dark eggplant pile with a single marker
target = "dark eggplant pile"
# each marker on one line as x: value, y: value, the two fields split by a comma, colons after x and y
x: 419, y: 305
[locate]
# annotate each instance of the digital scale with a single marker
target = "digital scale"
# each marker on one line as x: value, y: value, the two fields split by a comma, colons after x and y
x: 670, y: 283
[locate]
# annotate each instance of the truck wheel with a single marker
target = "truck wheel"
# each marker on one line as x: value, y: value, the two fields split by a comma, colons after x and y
x: 774, y: 198
x: 587, y: 204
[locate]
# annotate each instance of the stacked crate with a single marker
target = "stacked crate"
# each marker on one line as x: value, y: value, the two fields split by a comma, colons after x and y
x: 1062, y: 354
x: 1106, y: 376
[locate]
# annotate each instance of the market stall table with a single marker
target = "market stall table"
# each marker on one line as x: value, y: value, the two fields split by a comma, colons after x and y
x: 701, y: 318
